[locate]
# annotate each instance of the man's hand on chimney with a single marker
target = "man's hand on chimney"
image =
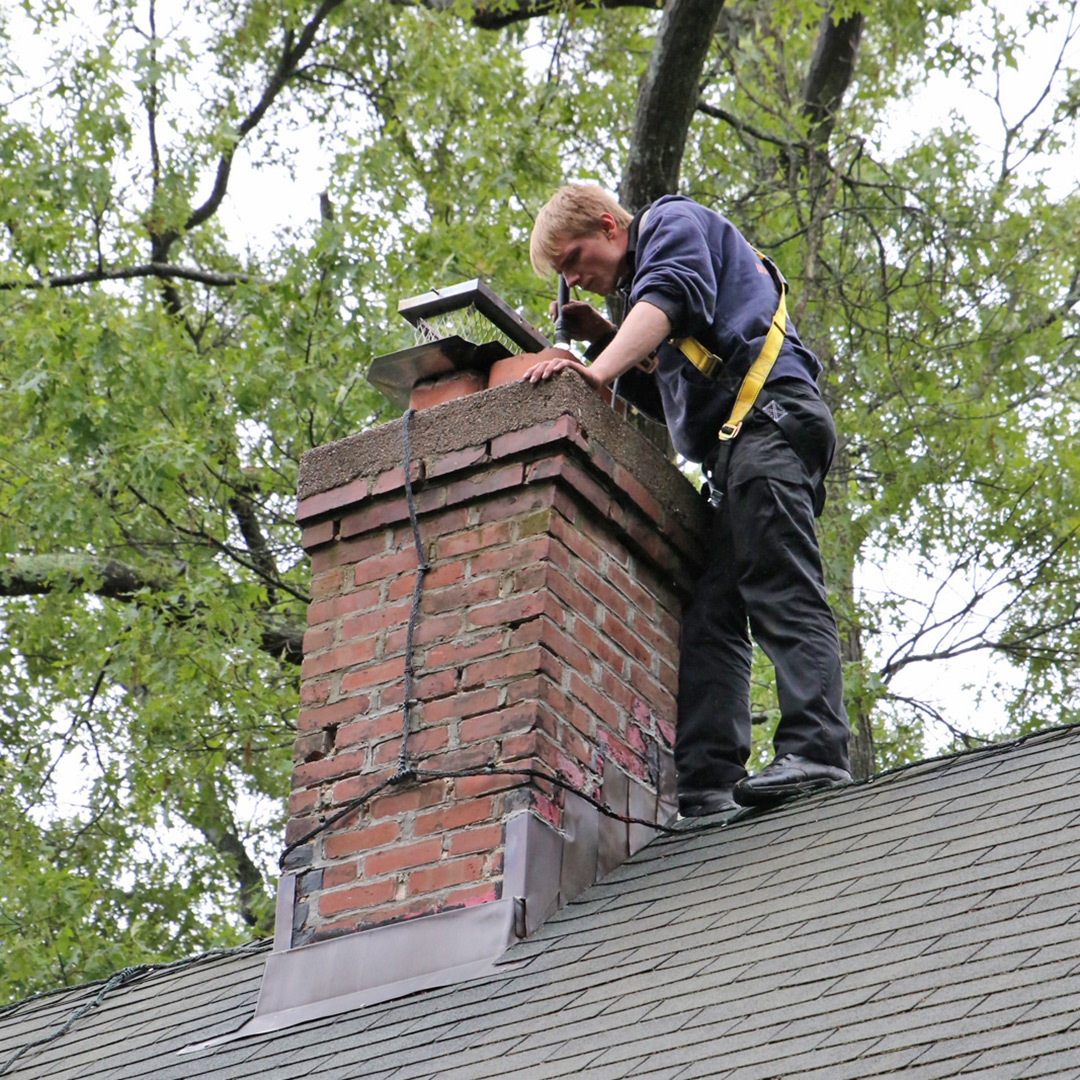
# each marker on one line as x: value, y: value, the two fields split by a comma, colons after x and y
x: 551, y: 361
x: 583, y: 322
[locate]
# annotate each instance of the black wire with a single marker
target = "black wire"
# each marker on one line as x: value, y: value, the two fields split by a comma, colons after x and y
x: 122, y: 976
x: 414, y: 610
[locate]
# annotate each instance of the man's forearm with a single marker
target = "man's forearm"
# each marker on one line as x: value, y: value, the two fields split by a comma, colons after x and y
x: 644, y: 328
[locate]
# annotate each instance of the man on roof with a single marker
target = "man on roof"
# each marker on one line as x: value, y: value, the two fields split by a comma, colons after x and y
x: 701, y: 310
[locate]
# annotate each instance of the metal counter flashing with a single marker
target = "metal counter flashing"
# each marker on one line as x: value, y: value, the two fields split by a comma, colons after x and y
x: 544, y: 870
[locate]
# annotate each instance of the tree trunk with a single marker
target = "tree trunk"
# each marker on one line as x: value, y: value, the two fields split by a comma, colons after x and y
x: 667, y: 99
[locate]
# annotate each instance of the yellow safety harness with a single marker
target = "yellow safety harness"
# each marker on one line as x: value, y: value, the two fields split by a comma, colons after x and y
x: 708, y: 363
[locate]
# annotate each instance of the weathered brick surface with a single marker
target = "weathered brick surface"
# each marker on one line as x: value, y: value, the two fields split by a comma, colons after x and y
x: 547, y: 639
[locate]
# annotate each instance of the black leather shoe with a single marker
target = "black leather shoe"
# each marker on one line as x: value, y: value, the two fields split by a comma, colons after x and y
x: 706, y: 803
x: 786, y: 776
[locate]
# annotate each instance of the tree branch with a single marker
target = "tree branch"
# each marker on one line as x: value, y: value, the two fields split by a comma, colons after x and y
x: 36, y: 575
x: 830, y: 73
x: 124, y: 273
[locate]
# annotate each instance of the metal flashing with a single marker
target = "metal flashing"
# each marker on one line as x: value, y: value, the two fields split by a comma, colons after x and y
x: 544, y: 870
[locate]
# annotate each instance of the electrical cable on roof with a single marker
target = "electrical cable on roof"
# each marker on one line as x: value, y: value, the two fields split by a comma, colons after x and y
x: 122, y: 976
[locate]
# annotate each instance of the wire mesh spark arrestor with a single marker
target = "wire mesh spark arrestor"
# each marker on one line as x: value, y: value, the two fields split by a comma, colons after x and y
x: 463, y: 327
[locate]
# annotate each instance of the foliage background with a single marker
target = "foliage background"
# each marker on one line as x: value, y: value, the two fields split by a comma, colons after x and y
x: 162, y: 373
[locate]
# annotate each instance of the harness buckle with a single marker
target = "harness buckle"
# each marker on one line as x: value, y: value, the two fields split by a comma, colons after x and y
x: 728, y: 431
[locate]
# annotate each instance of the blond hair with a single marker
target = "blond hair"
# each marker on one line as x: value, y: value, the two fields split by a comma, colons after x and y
x: 572, y: 212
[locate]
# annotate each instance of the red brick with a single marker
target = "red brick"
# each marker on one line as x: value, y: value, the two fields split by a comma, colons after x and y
x: 325, y: 584
x: 501, y: 668
x: 575, y: 598
x: 488, y: 725
x: 373, y: 675
x: 611, y: 600
x: 485, y: 483
x: 654, y: 638
x: 468, y: 787
x: 577, y: 748
x: 374, y: 515
x: 303, y: 802
x: 616, y: 630
x: 428, y: 629
x: 514, y: 609
x: 325, y: 502
x: 459, y: 706
x: 626, y: 481
x: 314, y: 690
x: 529, y: 578
x: 458, y: 652
x: 370, y: 622
x: 476, y: 756
x: 561, y: 645
x: 335, y: 606
x: 392, y: 913
x: 515, y: 747
x: 585, y: 634
x: 337, y: 659
x: 360, y: 837
x: 642, y: 600
x: 336, y: 928
x: 510, y: 369
x: 317, y: 638
x: 402, y: 857
x: 669, y: 677
x: 321, y: 533
x: 348, y: 550
x: 617, y: 690
x: 314, y: 772
x: 550, y: 431
x: 505, y: 507
x: 486, y: 838
x: 359, y: 786
x: 474, y: 539
x: 435, y: 684
x: 600, y: 532
x: 383, y: 566
x: 653, y: 693
x: 443, y: 876
x: 594, y: 701
x: 358, y: 897
x: 392, y: 479
x: 459, y: 384
x: 454, y: 461
x: 418, y: 797
x: 545, y: 468
x: 586, y: 486
x: 367, y: 728
x: 298, y: 827
x: 523, y: 553
x: 335, y: 713
x: 456, y: 597
x: 454, y: 816
x: 425, y: 741
x: 623, y: 756
x: 339, y: 874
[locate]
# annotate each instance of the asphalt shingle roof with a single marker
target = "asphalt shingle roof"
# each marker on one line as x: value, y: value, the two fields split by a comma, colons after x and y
x: 923, y: 925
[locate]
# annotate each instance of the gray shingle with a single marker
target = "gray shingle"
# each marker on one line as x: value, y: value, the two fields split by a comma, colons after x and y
x: 923, y: 926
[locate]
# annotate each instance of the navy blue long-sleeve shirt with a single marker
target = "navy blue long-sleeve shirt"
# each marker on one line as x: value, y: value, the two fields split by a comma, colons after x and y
x: 697, y: 268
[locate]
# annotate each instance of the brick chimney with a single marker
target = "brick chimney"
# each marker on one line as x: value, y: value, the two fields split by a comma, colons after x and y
x: 558, y: 542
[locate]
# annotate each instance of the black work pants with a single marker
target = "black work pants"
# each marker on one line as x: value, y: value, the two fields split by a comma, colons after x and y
x: 763, y: 568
